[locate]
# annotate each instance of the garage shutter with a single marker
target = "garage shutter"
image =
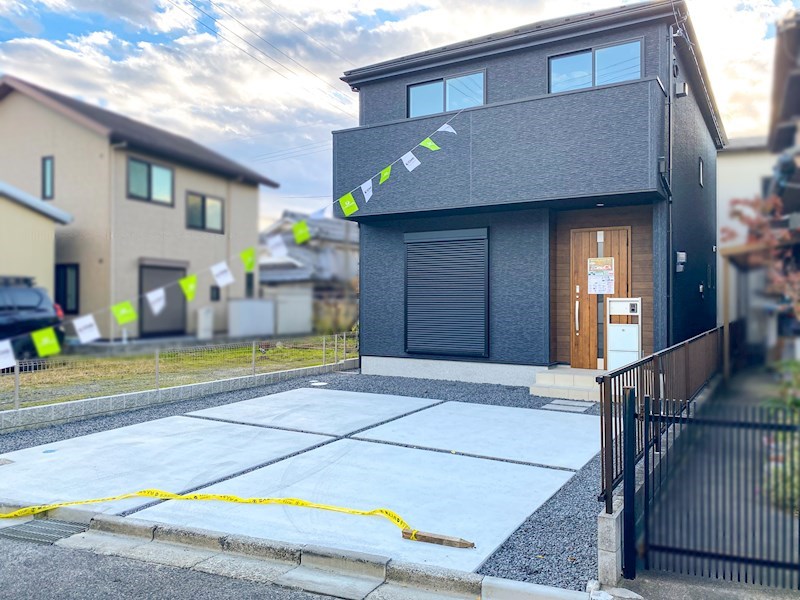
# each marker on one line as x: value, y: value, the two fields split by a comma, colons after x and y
x: 447, y: 292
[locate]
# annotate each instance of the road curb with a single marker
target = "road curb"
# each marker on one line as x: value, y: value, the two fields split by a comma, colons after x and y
x: 337, y: 561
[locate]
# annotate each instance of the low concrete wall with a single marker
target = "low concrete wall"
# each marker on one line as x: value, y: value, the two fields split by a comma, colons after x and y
x: 63, y: 412
x: 451, y: 370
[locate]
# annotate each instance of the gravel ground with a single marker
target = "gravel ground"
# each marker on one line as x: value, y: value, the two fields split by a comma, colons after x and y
x: 556, y: 545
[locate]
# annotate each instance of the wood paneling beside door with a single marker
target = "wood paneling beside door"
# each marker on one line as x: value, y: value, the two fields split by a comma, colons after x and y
x: 639, y: 219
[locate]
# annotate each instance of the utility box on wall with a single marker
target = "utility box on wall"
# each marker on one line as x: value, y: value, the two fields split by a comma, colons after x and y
x: 624, y: 339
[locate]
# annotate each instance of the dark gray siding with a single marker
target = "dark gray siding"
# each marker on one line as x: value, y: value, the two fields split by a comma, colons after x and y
x: 510, y: 76
x: 580, y: 144
x: 694, y: 221
x: 519, y: 284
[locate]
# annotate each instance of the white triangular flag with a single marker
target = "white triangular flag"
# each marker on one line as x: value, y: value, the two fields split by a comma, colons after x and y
x: 410, y: 161
x: 366, y: 189
x: 447, y: 127
x: 222, y: 274
x: 7, y: 359
x: 86, y: 328
x: 318, y: 214
x: 277, y: 247
x: 157, y: 299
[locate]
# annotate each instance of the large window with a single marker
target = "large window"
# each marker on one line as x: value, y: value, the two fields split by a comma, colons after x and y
x: 599, y: 66
x: 67, y: 288
x: 48, y: 178
x: 204, y: 212
x: 447, y: 292
x: 147, y: 181
x: 450, y: 93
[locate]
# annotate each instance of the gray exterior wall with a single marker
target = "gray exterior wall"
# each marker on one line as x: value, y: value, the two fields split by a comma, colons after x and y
x: 694, y: 219
x: 519, y: 284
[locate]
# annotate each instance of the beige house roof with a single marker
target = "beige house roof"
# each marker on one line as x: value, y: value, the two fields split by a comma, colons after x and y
x: 16, y: 195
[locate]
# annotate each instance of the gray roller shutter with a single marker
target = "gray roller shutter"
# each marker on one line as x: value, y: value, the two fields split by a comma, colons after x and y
x: 447, y: 292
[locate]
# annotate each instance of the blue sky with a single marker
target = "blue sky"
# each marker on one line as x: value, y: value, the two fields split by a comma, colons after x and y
x: 155, y: 61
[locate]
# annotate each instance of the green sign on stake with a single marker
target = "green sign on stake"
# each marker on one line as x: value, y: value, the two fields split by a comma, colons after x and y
x: 46, y: 342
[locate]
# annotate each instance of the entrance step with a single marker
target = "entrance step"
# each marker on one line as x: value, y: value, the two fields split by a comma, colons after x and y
x: 568, y: 383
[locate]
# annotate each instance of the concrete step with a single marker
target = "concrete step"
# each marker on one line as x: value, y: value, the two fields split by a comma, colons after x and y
x: 565, y: 378
x: 566, y: 392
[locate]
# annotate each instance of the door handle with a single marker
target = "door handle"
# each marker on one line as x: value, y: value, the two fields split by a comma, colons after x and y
x: 577, y: 316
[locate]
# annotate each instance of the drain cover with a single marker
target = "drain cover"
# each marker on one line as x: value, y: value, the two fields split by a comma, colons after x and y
x: 42, y: 531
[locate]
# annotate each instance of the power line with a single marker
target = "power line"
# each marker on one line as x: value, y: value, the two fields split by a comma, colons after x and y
x: 311, y: 37
x: 290, y: 149
x: 222, y: 37
x: 297, y: 155
x: 271, y: 45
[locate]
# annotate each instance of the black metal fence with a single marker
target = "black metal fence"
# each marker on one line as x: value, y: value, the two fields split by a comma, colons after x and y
x: 721, y: 492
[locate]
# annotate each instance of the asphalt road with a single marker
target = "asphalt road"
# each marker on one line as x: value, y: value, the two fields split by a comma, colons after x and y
x: 35, y: 571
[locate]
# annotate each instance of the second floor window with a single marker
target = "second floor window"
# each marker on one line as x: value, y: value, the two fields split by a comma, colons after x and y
x: 48, y: 176
x: 599, y: 66
x: 204, y: 212
x: 441, y: 95
x: 147, y: 181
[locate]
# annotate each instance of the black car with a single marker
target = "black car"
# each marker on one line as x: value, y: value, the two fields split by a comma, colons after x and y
x: 25, y: 308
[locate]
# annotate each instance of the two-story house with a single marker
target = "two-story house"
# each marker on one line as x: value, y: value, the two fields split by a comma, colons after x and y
x: 577, y: 140
x: 149, y: 207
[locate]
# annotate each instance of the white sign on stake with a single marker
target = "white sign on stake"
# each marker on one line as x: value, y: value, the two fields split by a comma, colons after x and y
x: 7, y: 359
x: 410, y: 161
x: 157, y: 299
x: 86, y: 328
x: 277, y: 247
x: 366, y: 189
x: 222, y: 274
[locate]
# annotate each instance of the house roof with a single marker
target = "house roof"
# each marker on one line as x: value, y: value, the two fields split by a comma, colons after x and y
x: 551, y: 30
x: 33, y: 203
x: 327, y: 229
x: 785, y: 83
x: 135, y: 134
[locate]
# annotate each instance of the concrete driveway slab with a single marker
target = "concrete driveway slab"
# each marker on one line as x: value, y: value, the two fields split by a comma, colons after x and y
x: 481, y: 500
x: 329, y: 412
x: 173, y: 454
x: 534, y: 436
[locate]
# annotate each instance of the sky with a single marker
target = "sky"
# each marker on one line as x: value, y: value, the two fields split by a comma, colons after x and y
x: 258, y: 80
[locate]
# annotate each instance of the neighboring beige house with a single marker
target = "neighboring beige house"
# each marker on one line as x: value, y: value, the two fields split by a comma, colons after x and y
x: 27, y: 236
x: 149, y: 207
x: 744, y: 170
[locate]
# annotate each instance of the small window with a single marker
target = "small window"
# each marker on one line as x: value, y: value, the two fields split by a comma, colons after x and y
x: 622, y: 62
x: 571, y: 72
x: 215, y: 295
x: 249, y: 285
x: 204, y: 212
x: 26, y: 299
x: 48, y: 175
x: 450, y: 93
x: 700, y: 172
x: 600, y: 66
x: 150, y: 182
x: 67, y: 290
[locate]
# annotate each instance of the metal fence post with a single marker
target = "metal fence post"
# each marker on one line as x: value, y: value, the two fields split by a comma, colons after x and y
x: 344, y: 346
x: 607, y: 416
x: 254, y: 358
x: 335, y: 348
x: 648, y: 417
x: 158, y: 383
x: 324, y: 337
x: 16, y: 385
x: 629, y: 484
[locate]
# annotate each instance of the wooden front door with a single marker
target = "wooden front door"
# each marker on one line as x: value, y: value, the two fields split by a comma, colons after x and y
x: 599, y: 262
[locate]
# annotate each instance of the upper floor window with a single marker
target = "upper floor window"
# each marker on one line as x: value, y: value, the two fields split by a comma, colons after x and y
x: 147, y: 181
x: 599, y: 66
x: 441, y: 95
x: 48, y: 175
x: 204, y: 212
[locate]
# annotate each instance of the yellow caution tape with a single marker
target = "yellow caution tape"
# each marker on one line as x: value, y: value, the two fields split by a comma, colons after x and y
x: 162, y: 495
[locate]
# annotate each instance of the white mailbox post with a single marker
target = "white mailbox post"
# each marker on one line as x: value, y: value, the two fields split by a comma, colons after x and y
x: 624, y: 340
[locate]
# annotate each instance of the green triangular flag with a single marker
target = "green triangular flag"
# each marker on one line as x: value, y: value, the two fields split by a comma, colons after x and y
x: 301, y: 232
x: 124, y: 312
x: 429, y: 144
x: 348, y: 204
x: 189, y: 286
x: 385, y: 174
x: 46, y: 342
x: 248, y: 257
